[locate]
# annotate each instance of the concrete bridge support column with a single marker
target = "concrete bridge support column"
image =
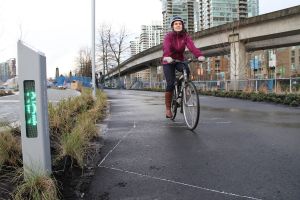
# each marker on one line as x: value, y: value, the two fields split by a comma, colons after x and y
x: 127, y: 81
x: 237, y: 61
x: 153, y: 76
x: 115, y: 82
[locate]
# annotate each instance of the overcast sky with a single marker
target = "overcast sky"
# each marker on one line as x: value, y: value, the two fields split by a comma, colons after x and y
x: 59, y: 28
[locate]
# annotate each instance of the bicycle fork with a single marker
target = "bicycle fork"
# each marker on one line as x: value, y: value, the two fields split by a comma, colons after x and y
x: 179, y: 92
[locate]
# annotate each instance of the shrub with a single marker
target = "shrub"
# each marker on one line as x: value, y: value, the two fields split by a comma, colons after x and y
x: 248, y: 89
x: 288, y: 99
x: 263, y: 89
x: 294, y: 103
x: 244, y: 95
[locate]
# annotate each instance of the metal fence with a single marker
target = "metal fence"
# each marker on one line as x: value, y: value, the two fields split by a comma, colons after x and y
x: 160, y: 85
x: 280, y: 85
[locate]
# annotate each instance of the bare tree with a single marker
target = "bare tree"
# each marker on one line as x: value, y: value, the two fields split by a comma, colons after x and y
x: 118, y: 45
x: 103, y: 50
x: 84, y: 62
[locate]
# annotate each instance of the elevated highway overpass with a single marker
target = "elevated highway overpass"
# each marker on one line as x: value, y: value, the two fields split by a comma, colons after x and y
x: 271, y: 30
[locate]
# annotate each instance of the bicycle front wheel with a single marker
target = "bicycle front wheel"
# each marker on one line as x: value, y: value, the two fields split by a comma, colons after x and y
x: 191, y: 105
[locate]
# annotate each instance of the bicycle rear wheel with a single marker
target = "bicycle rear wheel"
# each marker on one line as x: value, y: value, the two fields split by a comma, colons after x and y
x: 191, y: 105
x: 174, y: 104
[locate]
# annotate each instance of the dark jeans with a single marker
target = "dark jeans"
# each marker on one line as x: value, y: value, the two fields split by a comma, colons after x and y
x: 169, y: 71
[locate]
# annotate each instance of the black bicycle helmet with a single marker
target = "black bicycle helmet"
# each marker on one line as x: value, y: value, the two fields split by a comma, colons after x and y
x: 177, y: 18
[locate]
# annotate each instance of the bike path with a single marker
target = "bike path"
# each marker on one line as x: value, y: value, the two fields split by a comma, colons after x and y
x: 238, y: 151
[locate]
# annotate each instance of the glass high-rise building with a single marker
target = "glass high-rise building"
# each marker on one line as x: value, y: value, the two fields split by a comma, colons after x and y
x: 217, y: 12
x: 135, y: 46
x: 4, y: 71
x: 253, y: 8
x: 182, y: 8
x: 7, y: 69
x: 151, y: 35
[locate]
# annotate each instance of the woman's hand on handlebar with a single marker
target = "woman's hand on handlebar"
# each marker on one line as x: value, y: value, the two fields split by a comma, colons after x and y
x: 201, y: 58
x: 168, y: 59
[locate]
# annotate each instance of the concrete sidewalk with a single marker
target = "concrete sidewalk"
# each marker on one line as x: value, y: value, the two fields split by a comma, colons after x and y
x: 235, y: 153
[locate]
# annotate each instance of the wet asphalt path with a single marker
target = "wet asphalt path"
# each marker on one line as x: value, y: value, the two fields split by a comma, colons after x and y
x: 240, y: 150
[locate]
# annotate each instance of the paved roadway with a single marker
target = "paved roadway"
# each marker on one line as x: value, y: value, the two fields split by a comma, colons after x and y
x: 10, y: 105
x: 240, y: 150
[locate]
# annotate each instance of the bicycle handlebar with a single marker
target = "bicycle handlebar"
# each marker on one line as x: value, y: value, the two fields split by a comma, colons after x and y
x: 190, y: 60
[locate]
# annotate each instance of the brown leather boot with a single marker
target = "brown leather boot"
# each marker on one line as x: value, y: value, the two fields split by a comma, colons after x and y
x: 168, y: 99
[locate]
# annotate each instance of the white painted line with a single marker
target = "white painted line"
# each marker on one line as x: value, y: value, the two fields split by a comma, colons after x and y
x: 118, y: 129
x: 229, y: 122
x: 180, y: 183
x: 9, y: 101
x: 210, y: 122
x: 117, y: 100
x: 215, y: 118
x: 174, y: 126
x: 5, y: 114
x: 117, y: 144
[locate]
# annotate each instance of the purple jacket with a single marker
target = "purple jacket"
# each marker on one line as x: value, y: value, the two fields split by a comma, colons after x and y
x: 175, y: 43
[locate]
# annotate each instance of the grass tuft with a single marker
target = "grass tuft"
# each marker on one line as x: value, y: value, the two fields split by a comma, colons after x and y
x: 10, y: 149
x: 36, y: 186
x: 74, y: 145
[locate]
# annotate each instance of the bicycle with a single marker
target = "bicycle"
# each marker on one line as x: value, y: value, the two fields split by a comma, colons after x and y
x: 186, y: 97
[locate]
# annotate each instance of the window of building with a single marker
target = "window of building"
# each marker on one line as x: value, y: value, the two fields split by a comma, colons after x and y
x: 293, y: 52
x: 293, y: 60
x: 293, y: 67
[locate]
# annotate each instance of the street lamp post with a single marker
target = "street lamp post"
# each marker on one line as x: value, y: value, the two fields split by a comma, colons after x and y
x: 93, y: 49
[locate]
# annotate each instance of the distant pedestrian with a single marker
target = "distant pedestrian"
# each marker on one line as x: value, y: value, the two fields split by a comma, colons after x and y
x: 96, y: 81
x: 101, y: 81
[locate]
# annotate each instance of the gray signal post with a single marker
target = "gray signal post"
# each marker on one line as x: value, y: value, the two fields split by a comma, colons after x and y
x: 34, y: 110
x: 93, y: 49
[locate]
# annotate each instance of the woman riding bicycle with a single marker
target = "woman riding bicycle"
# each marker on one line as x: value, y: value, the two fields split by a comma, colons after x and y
x: 174, y: 46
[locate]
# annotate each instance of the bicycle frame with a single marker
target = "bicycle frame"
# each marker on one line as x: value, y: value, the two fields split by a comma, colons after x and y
x: 181, y: 83
x: 189, y: 107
